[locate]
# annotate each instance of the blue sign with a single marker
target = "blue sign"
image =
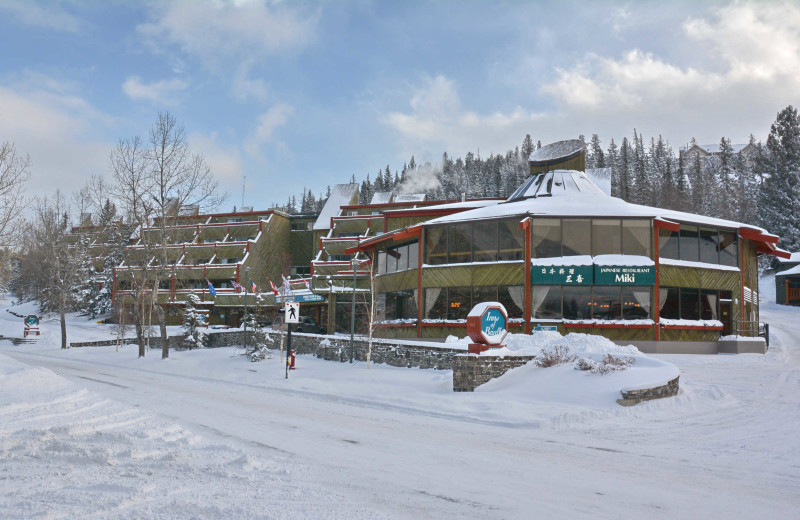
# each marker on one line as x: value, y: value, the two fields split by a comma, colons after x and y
x: 548, y: 328
x: 493, y: 325
x: 301, y: 298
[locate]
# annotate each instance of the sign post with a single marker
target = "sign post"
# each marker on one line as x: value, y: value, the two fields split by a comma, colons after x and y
x: 487, y: 325
x: 291, y: 315
x: 31, y: 325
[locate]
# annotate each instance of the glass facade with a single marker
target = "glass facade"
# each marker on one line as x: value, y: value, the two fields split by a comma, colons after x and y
x: 400, y: 305
x: 398, y: 258
x: 705, y: 244
x: 599, y: 302
x: 687, y: 303
x: 553, y: 237
x: 486, y: 241
x: 454, y: 303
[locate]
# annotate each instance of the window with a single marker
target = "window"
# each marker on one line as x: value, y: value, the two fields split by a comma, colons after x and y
x: 728, y: 248
x: 459, y: 243
x: 436, y: 245
x: 301, y: 270
x: 400, y: 305
x: 636, y: 237
x: 606, y: 304
x: 301, y: 226
x: 485, y: 241
x: 546, y: 238
x: 513, y: 299
x: 606, y: 237
x: 690, y: 304
x: 709, y: 302
x: 413, y: 255
x: 381, y: 262
x: 577, y: 302
x: 709, y: 245
x: 458, y: 302
x: 668, y: 244
x: 402, y: 259
x: 486, y: 293
x: 577, y: 237
x: 670, y: 303
x: 546, y: 302
x: 511, y: 240
x: 689, y: 244
x: 435, y: 303
x: 391, y: 260
x: 635, y: 303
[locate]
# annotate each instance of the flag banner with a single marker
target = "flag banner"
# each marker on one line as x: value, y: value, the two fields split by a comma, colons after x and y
x: 274, y: 289
x: 211, y: 290
x: 253, y: 286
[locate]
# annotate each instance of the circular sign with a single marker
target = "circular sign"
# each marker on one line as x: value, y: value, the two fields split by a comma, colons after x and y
x: 32, y: 320
x: 487, y: 323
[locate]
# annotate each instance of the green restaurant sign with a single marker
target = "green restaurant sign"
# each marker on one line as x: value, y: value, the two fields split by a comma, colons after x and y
x: 624, y: 274
x: 593, y: 275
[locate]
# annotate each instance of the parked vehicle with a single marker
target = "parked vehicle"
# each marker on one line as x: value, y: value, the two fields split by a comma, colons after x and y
x: 307, y: 324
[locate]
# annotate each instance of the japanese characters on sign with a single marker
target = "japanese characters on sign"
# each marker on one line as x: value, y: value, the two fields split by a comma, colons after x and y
x: 562, y: 275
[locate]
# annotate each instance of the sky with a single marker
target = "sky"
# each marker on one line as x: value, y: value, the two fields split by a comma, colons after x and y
x: 280, y: 96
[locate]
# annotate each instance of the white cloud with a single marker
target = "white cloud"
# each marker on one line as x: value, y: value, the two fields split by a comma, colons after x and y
x: 48, y: 16
x: 270, y: 120
x: 733, y: 70
x: 160, y: 92
x: 246, y: 88
x: 57, y: 128
x: 225, y: 162
x: 438, y: 118
x: 223, y: 30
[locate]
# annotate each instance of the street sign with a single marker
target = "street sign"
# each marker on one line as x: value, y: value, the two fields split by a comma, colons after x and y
x: 548, y: 328
x: 292, y: 312
x: 32, y: 320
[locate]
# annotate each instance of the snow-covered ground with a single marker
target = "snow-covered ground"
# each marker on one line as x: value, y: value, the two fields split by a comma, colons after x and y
x: 92, y: 432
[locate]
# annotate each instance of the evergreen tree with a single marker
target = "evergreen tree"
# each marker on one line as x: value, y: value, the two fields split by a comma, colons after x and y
x: 613, y: 162
x: 624, y: 167
x: 780, y: 167
x: 527, y: 146
x: 192, y: 320
x: 597, y: 160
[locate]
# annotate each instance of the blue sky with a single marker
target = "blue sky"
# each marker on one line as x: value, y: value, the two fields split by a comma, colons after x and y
x: 306, y: 94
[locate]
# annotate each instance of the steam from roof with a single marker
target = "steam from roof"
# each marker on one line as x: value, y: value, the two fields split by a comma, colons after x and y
x: 422, y: 179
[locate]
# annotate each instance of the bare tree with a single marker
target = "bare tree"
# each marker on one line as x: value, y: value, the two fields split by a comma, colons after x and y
x: 14, y: 173
x: 155, y: 181
x: 60, y: 263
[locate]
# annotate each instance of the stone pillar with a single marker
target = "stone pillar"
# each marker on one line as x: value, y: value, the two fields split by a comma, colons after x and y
x: 331, y: 324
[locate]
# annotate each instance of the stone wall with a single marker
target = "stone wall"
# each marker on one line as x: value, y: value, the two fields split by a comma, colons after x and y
x: 383, y: 351
x: 632, y: 397
x: 471, y: 371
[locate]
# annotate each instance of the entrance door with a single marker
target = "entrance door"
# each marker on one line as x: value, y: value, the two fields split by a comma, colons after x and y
x: 725, y: 316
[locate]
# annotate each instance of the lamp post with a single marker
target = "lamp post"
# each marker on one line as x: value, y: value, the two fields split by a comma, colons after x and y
x: 246, y: 284
x: 355, y: 263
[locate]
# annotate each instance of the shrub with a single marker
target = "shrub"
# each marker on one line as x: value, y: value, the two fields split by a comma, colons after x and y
x: 554, y: 356
x: 609, y: 363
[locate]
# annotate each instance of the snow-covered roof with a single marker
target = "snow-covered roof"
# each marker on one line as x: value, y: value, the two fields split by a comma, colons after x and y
x: 556, y: 182
x: 411, y: 197
x: 381, y: 197
x: 601, y: 177
x: 795, y: 258
x: 467, y: 204
x: 576, y: 195
x: 793, y: 271
x: 341, y: 195
x: 561, y: 150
